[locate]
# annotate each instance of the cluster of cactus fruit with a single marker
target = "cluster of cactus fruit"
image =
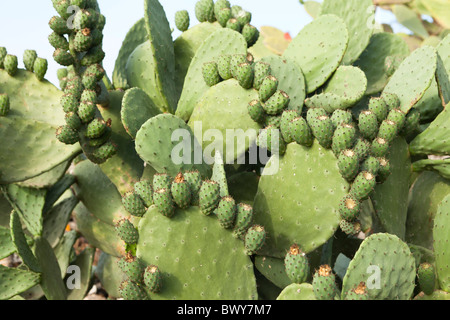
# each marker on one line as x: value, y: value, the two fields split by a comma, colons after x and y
x: 353, y: 120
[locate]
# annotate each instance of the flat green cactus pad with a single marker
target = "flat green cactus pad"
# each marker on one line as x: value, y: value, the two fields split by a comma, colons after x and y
x: 359, y: 17
x: 290, y: 80
x: 21, y: 244
x: 344, y: 89
x: 223, y: 108
x: 386, y: 265
x: 436, y: 295
x: 223, y: 41
x: 297, y: 291
x: 135, y: 36
x: 318, y: 49
x: 371, y: 61
x: 390, y: 198
x: 441, y: 166
x: 443, y: 70
x: 83, y: 261
x: 110, y: 274
x: 273, y: 269
x: 308, y: 217
x: 434, y: 140
x: 7, y: 246
x: 408, y: 17
x: 15, y: 281
x: 31, y: 124
x: 430, y: 105
x: 198, y: 258
x: 46, y: 179
x: 413, y: 77
x: 441, y: 236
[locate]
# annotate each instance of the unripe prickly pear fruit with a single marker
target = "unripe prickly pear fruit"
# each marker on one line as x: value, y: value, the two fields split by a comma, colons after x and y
x: 223, y: 16
x: 358, y: 293
x: 63, y: 57
x: 181, y: 192
x: 343, y: 138
x: 210, y: 73
x: 371, y: 164
x: 254, y: 239
x: 388, y: 130
x: 40, y: 68
x: 132, y: 267
x: 58, y: 41
x: 426, y: 276
x: 226, y: 212
x: 223, y: 66
x: 104, y: 152
x: 162, y: 198
x: 127, y: 231
x: 384, y: 169
x: 268, y: 87
x: 235, y: 10
x: 313, y: 113
x: 98, y: 142
x: 73, y: 120
x: 86, y: 111
x: 412, y: 122
x: 256, y: 111
x: 272, y: 121
x: 69, y: 102
x: 379, y: 108
x: 144, y: 189
x: 349, y: 208
x: 368, y: 124
x: 363, y: 185
x: 391, y: 99
x: 361, y: 148
x: 204, y: 10
x: 348, y: 164
x: 340, y: 116
x: 153, y: 278
x: 3, y: 53
x: 235, y: 60
x: 324, y: 283
x: 244, y: 219
x: 79, y: 3
x: 162, y: 181
x: 296, y: 264
x: 89, y: 81
x: 194, y: 179
x: 93, y: 56
x: 300, y: 132
x: 397, y: 116
x: 89, y: 96
x: 133, y: 203
x: 379, y: 147
x: 83, y: 40
x: 234, y: 24
x: 244, y: 17
x: 29, y: 57
x: 182, y: 20
x: 250, y: 33
x: 130, y: 290
x: 262, y: 70
x: 67, y: 135
x: 270, y: 138
x: 95, y: 128
x: 219, y: 5
x: 245, y: 75
x: 10, y: 64
x: 276, y: 103
x: 4, y: 105
x: 322, y: 129
x: 59, y: 25
x: 209, y: 196
x: 62, y: 7
x: 286, y: 117
x: 86, y: 18
x: 350, y: 228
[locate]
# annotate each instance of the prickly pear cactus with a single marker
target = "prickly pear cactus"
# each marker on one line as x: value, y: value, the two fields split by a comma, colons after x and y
x: 227, y: 160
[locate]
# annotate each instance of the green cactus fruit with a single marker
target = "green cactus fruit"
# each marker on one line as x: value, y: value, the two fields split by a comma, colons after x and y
x: 270, y: 138
x: 324, y: 283
x: 286, y: 117
x: 296, y: 265
x: 322, y: 129
x: 368, y: 124
x: 145, y: 191
x: 98, y: 142
x: 63, y: 57
x: 73, y: 120
x: 254, y: 239
x: 348, y: 163
x: 388, y: 130
x: 57, y: 41
x: 69, y: 102
x: 244, y: 17
x: 274, y: 121
x: 162, y: 181
x: 83, y: 40
x: 371, y: 164
x: 223, y: 66
x: 95, y: 128
x: 256, y: 111
x: 235, y: 60
x: 245, y: 75
x: 379, y: 147
x: 276, y: 103
x: 97, y: 70
x: 392, y: 100
x: 209, y: 196
x: 219, y: 5
x: 133, y: 203
x: 127, y: 231
x: 132, y: 267
x: 235, y: 10
x: 361, y: 148
x: 104, y: 152
x: 300, y: 132
x: 313, y: 113
x: 86, y: 111
x: 412, y: 122
x: 29, y: 56
x: 343, y: 138
x: 204, y: 11
x: 62, y: 7
x: 93, y: 56
x: 3, y: 53
x: 40, y: 68
x: 426, y: 275
x: 268, y: 87
x: 384, y: 170
x: 250, y: 33
x: 398, y: 116
x: 211, y: 73
x: 153, y: 278
x: 4, y: 105
x: 358, y: 293
x: 89, y: 96
x: 349, y: 208
x: 67, y: 135
x: 350, y: 228
x: 379, y: 107
x: 340, y: 116
x: 223, y: 16
x: 162, y: 198
x: 181, y: 192
x: 86, y: 18
x: 10, y: 64
x: 226, y: 212
x: 89, y: 81
x: 79, y: 3
x: 234, y: 24
x: 244, y: 220
x: 182, y: 20
x: 363, y: 185
x: 262, y: 70
x: 59, y: 25
x: 130, y: 290
x: 194, y: 179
